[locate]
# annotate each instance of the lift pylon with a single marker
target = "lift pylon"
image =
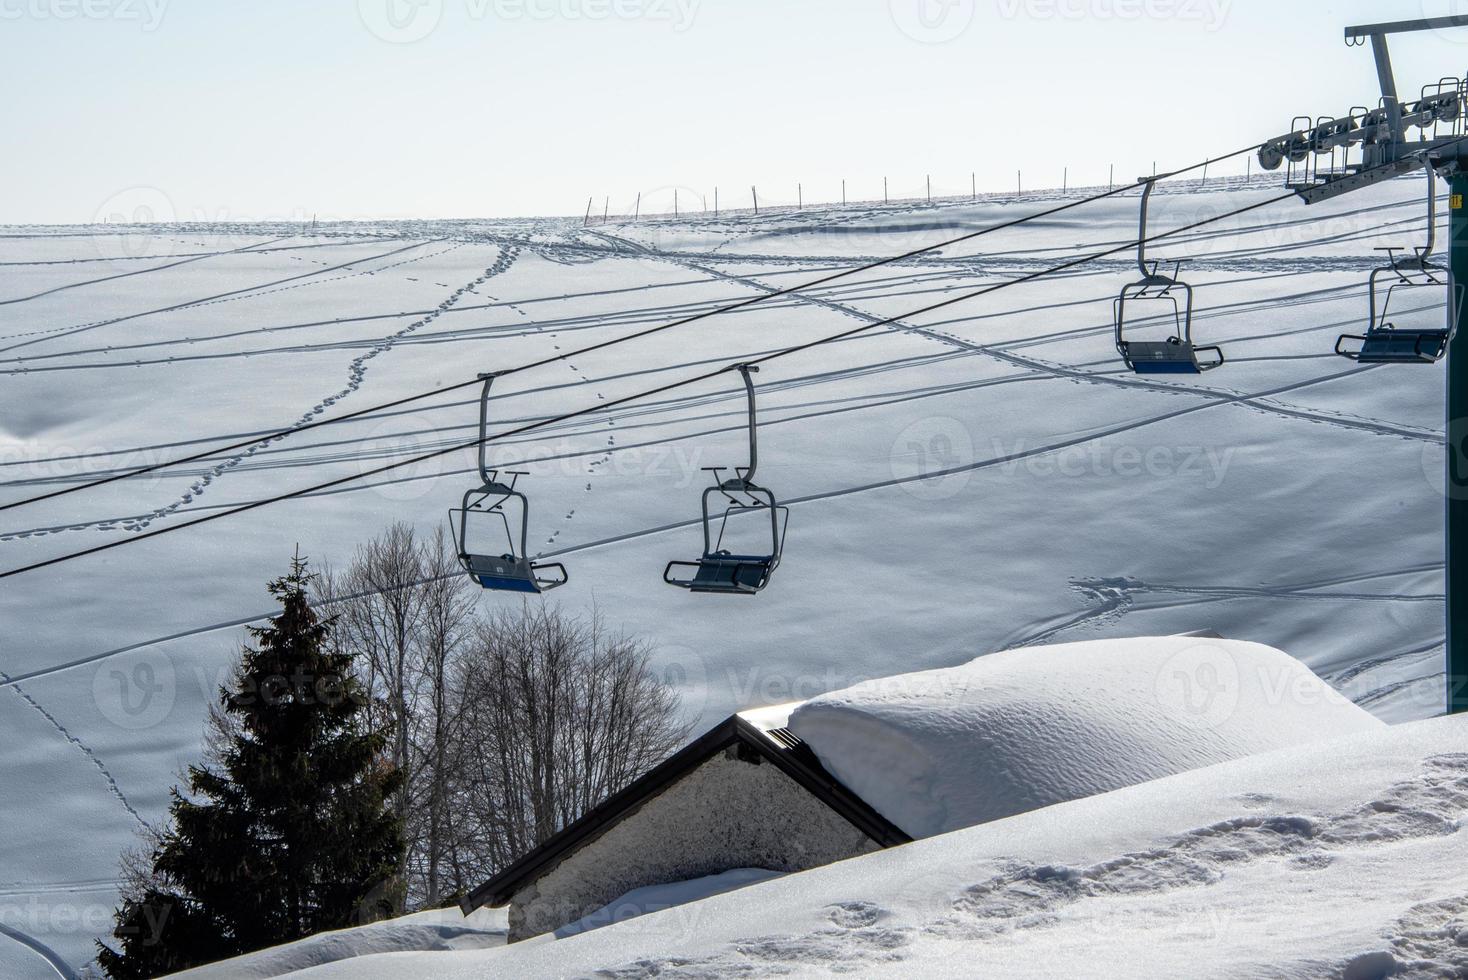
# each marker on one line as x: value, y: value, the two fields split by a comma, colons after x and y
x: 1400, y: 136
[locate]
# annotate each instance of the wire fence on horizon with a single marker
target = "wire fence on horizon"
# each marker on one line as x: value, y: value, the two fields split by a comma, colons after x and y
x: 703, y: 207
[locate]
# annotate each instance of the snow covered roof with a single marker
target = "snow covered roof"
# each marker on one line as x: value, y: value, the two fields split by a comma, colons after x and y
x: 1343, y: 858
x: 1014, y: 731
x: 926, y: 753
x: 762, y: 736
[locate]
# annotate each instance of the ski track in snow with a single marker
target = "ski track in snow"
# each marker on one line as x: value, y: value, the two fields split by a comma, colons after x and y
x: 824, y: 495
x: 1114, y: 597
x: 246, y: 292
x: 53, y: 959
x: 1110, y: 599
x: 1351, y: 420
x: 887, y: 288
x: 356, y: 374
x: 259, y: 246
x: 1026, y: 897
x: 1377, y: 426
x: 1107, y: 604
x: 96, y: 760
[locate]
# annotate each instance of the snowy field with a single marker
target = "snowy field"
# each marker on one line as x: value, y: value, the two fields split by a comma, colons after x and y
x: 983, y: 477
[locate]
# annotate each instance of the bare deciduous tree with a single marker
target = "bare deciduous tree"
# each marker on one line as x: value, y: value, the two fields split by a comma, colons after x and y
x: 506, y: 728
x: 556, y: 715
x: 403, y: 607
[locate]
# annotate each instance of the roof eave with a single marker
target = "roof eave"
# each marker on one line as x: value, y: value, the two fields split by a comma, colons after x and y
x: 599, y: 819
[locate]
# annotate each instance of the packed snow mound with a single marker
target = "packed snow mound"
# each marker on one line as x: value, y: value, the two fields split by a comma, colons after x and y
x: 656, y: 898
x: 431, y: 931
x: 1343, y: 858
x: 1010, y: 732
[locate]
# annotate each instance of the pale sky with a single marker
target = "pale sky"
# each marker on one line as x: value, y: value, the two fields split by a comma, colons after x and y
x: 480, y: 108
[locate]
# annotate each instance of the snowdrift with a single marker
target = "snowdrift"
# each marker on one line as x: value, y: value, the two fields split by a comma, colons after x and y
x: 1010, y: 732
x: 1339, y: 858
x: 656, y: 898
x: 435, y: 930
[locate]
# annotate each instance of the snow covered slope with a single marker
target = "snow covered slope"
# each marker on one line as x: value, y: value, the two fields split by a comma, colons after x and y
x: 1013, y: 731
x: 1346, y: 858
x: 656, y: 898
x: 978, y: 478
x: 436, y: 930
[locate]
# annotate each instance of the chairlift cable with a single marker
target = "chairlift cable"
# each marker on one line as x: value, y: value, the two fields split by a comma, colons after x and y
x: 274, y: 435
x: 602, y: 407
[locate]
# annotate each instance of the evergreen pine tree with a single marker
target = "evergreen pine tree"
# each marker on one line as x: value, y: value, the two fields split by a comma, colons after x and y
x: 288, y: 831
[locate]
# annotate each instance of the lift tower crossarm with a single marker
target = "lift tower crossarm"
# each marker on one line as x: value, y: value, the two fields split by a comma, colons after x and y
x: 1386, y: 154
x: 1377, y: 34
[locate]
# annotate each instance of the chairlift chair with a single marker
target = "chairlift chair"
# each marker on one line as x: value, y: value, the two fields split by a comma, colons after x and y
x: 1384, y: 342
x: 720, y: 571
x: 490, y: 506
x: 1177, y: 354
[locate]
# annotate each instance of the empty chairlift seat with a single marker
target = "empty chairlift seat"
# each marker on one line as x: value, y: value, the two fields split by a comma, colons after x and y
x: 508, y: 573
x: 1400, y: 330
x: 1388, y: 345
x: 720, y: 570
x: 1168, y: 299
x: 1171, y: 356
x: 484, y: 527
